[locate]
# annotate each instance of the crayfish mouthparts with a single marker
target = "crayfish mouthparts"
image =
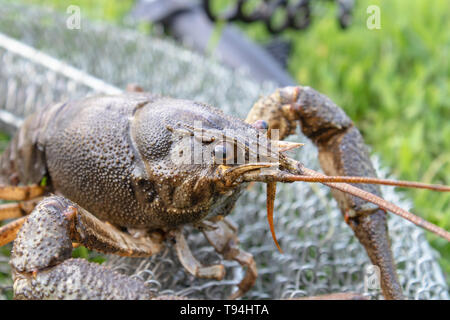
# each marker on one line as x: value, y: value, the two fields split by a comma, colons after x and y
x: 294, y: 171
x: 229, y: 175
x: 268, y: 172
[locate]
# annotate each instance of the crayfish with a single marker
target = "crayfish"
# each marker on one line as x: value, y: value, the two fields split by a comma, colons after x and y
x: 123, y: 174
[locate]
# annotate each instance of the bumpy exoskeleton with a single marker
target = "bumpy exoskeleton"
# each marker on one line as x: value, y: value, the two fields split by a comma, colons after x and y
x: 129, y: 171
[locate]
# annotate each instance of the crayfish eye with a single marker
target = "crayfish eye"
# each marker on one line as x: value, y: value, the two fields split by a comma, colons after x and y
x: 224, y: 153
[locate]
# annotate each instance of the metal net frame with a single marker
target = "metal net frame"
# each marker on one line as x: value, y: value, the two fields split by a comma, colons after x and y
x: 42, y: 62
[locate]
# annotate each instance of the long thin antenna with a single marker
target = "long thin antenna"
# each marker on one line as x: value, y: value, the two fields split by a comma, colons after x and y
x: 386, y: 205
x: 369, y: 180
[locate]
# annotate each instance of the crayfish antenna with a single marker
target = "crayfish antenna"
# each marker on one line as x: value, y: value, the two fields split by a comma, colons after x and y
x: 271, y: 192
x: 310, y: 175
x: 368, y: 180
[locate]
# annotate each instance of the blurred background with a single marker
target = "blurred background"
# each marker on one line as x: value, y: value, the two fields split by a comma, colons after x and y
x: 394, y: 82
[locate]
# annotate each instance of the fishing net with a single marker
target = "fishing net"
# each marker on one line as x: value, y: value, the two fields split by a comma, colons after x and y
x: 42, y: 61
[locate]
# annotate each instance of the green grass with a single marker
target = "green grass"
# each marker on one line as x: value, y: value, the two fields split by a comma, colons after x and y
x: 393, y: 82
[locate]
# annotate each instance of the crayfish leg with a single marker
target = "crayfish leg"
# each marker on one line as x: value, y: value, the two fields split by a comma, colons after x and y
x: 19, y: 210
x: 19, y: 193
x: 224, y: 239
x: 41, y: 257
x: 9, y: 232
x: 191, y: 264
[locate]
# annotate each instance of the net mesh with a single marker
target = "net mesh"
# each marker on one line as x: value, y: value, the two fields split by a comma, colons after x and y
x: 321, y: 255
